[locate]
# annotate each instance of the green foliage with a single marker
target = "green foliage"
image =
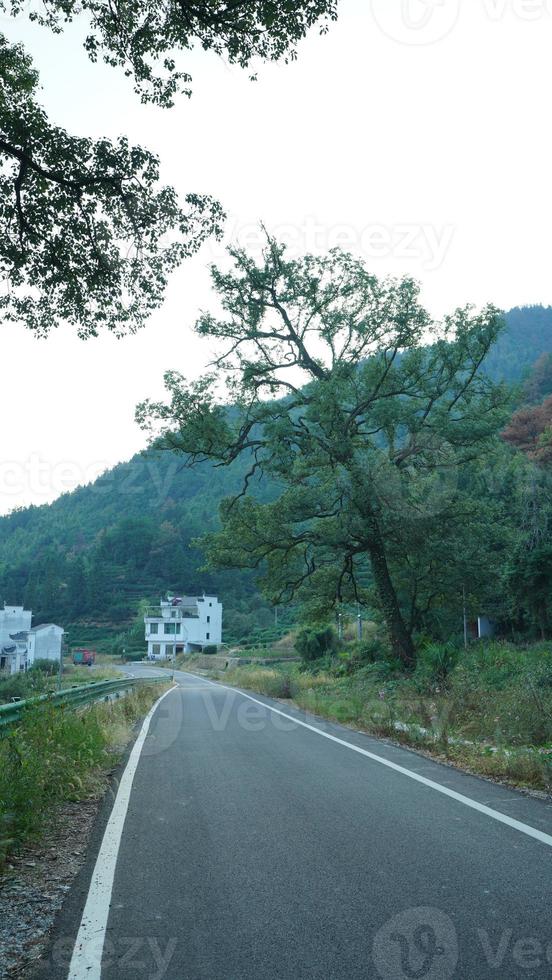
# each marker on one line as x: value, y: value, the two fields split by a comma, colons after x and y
x: 274, y: 683
x: 311, y: 644
x: 528, y: 336
x: 143, y: 37
x: 89, y: 558
x: 89, y: 235
x: 435, y: 663
x: 30, y: 683
x: 368, y: 651
x: 48, y: 667
x: 538, y: 385
x: 210, y: 648
x: 365, y: 454
x: 54, y: 755
x: 504, y: 693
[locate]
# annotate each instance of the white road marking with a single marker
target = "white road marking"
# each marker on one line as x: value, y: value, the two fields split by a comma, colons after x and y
x: 523, y: 828
x: 87, y: 954
x: 86, y: 961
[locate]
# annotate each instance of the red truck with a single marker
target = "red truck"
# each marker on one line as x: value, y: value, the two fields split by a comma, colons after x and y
x: 84, y: 657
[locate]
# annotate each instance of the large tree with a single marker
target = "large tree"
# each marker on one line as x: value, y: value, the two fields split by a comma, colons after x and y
x: 88, y: 234
x: 348, y: 397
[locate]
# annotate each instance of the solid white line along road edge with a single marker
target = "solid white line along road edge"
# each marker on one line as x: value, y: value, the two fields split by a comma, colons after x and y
x: 86, y: 960
x: 523, y: 828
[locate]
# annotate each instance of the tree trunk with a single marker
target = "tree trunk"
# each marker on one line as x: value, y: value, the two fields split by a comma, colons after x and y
x: 399, y: 634
x: 401, y: 639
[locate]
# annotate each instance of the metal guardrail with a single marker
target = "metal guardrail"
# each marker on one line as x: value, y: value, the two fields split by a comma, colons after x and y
x: 72, y: 697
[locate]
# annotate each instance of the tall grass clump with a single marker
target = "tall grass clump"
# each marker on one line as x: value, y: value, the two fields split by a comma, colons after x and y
x: 273, y: 683
x: 55, y: 755
x: 503, y: 694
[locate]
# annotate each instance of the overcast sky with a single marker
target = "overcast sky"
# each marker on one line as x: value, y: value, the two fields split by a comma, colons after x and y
x: 417, y: 133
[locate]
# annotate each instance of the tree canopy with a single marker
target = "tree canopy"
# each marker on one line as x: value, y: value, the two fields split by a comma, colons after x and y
x: 80, y: 558
x: 530, y: 429
x: 354, y: 403
x: 89, y: 235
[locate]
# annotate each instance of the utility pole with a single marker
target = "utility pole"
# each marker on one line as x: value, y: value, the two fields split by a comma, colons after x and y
x: 359, y: 623
x: 60, y: 671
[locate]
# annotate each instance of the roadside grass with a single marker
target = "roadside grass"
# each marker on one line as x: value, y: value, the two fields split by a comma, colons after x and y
x: 74, y: 676
x: 274, y: 651
x: 43, y: 677
x: 488, y: 709
x: 56, y: 755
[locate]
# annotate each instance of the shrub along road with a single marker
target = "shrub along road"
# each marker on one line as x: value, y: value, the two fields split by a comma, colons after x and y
x: 258, y: 847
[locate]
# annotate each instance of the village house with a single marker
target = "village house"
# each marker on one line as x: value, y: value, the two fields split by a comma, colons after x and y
x: 21, y: 644
x: 182, y: 625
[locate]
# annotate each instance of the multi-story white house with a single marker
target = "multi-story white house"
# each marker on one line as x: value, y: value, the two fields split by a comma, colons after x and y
x: 21, y: 644
x: 182, y: 624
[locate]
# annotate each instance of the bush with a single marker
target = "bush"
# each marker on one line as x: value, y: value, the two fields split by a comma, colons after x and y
x: 30, y: 683
x: 312, y: 644
x: 210, y: 649
x: 435, y: 663
x: 48, y: 667
x: 369, y: 651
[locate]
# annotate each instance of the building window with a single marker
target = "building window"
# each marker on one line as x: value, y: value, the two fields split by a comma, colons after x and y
x: 208, y: 619
x: 207, y: 636
x: 169, y: 650
x: 154, y: 627
x: 171, y: 628
x: 156, y: 648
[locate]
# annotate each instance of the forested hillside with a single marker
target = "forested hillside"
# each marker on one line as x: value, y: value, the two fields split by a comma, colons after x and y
x: 528, y: 335
x: 94, y: 553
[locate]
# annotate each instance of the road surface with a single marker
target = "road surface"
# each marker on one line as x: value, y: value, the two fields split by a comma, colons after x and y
x: 256, y: 847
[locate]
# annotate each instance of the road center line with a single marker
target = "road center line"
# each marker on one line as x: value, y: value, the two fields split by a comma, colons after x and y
x: 86, y: 961
x: 523, y: 828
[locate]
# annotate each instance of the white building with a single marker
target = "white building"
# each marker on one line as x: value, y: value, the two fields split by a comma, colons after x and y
x: 13, y: 619
x: 182, y: 625
x: 44, y: 642
x: 21, y: 644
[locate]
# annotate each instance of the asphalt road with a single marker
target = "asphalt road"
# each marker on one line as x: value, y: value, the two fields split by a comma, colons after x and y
x: 255, y: 848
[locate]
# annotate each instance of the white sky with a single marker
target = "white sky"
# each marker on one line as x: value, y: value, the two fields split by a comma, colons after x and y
x: 417, y: 132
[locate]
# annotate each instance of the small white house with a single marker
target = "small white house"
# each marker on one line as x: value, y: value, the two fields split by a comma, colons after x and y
x: 21, y: 645
x: 182, y: 625
x: 44, y: 642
